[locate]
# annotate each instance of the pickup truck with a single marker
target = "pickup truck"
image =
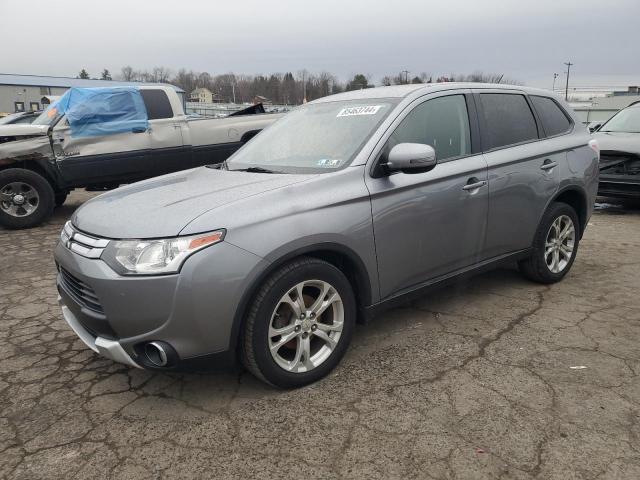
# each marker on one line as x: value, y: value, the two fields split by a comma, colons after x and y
x: 100, y: 138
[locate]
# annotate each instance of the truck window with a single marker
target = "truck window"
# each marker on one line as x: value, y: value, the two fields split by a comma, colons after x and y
x: 157, y: 103
x: 507, y: 120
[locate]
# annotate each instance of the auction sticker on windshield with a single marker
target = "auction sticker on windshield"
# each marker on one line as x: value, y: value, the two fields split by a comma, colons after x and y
x: 365, y: 110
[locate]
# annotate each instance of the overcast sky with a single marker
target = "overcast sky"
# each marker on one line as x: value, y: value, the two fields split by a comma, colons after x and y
x: 524, y: 39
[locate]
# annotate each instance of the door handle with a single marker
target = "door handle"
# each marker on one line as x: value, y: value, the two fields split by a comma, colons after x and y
x: 548, y: 164
x: 475, y: 185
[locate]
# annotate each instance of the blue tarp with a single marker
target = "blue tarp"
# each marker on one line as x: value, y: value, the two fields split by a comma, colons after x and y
x: 103, y: 111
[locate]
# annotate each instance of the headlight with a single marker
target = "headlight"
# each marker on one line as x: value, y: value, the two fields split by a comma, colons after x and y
x: 156, y: 257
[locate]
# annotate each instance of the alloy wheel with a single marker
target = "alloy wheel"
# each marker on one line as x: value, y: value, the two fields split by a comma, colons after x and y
x: 19, y: 199
x: 306, y: 326
x: 559, y: 244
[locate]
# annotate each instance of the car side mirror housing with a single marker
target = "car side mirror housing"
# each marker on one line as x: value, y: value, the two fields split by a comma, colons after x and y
x: 411, y: 156
x: 594, y: 126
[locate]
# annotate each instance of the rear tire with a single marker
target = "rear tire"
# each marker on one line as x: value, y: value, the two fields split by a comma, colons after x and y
x: 555, y: 245
x: 26, y: 198
x: 285, y: 343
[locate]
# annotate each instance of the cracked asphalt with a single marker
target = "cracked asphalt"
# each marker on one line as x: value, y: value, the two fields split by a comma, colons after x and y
x: 494, y: 378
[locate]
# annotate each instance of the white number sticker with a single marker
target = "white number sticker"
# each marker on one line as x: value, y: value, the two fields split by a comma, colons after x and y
x: 366, y: 110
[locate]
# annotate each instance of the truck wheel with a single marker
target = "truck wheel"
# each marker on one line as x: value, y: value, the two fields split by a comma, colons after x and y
x: 61, y: 197
x: 554, y: 246
x: 26, y: 198
x: 299, y: 324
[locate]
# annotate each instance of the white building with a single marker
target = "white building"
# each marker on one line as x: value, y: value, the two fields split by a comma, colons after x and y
x: 201, y: 95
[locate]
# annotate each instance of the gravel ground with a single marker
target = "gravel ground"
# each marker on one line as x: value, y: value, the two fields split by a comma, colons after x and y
x: 494, y: 378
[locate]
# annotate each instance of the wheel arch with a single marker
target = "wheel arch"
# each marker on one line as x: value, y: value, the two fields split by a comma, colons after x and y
x: 248, y: 135
x: 36, y: 168
x: 340, y: 256
x: 576, y: 198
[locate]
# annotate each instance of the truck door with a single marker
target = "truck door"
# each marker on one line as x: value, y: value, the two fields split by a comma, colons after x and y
x: 168, y: 150
x: 102, y: 159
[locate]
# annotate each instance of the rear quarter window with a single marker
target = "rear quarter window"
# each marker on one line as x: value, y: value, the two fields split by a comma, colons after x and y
x: 554, y: 120
x: 507, y: 120
x: 157, y: 104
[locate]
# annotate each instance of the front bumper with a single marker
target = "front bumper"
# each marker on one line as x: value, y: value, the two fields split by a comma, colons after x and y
x: 105, y: 347
x: 622, y: 186
x: 193, y: 311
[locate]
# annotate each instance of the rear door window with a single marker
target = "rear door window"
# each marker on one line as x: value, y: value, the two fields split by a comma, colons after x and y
x: 506, y: 120
x: 554, y: 120
x: 157, y: 103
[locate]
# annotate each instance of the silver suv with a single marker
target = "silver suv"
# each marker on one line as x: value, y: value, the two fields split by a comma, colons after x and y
x: 343, y: 207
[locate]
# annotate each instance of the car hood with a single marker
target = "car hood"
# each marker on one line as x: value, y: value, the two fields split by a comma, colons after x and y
x: 618, y: 141
x: 163, y: 206
x: 22, y: 130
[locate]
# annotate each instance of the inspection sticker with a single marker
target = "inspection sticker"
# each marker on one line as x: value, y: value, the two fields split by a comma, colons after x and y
x: 329, y: 163
x: 366, y: 110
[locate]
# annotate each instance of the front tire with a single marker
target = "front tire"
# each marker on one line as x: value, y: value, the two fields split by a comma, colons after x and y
x: 299, y: 324
x: 26, y: 198
x: 555, y: 245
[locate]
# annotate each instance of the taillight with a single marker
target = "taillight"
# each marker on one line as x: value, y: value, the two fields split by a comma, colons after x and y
x: 593, y: 144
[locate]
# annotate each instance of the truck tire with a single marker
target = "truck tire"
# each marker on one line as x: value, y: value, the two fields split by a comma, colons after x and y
x: 555, y: 245
x: 26, y: 198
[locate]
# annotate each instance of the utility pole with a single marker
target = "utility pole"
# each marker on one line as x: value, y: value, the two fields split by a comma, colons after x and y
x: 566, y: 88
x: 233, y: 88
x: 553, y: 88
x: 406, y: 75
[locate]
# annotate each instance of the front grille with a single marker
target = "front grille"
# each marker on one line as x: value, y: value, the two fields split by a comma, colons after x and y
x: 80, y: 291
x: 81, y: 243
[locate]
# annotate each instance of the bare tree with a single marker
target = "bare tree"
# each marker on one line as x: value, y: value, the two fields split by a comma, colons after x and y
x: 160, y: 74
x: 127, y: 73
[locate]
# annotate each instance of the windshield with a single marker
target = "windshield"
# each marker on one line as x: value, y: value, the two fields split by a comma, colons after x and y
x: 9, y: 118
x: 315, y: 138
x: 627, y: 120
x: 48, y: 117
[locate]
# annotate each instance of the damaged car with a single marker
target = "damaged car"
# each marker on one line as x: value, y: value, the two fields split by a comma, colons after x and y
x: 619, y: 140
x: 100, y: 138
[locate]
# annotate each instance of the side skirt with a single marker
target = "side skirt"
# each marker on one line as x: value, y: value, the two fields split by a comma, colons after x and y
x: 422, y: 289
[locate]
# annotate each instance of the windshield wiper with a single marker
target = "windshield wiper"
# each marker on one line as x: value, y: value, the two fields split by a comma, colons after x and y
x: 256, y: 170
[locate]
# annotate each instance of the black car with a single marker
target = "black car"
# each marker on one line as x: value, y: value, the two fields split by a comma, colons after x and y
x: 619, y: 140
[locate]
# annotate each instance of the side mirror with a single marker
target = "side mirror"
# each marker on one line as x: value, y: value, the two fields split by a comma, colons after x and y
x: 411, y: 156
x: 594, y: 126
